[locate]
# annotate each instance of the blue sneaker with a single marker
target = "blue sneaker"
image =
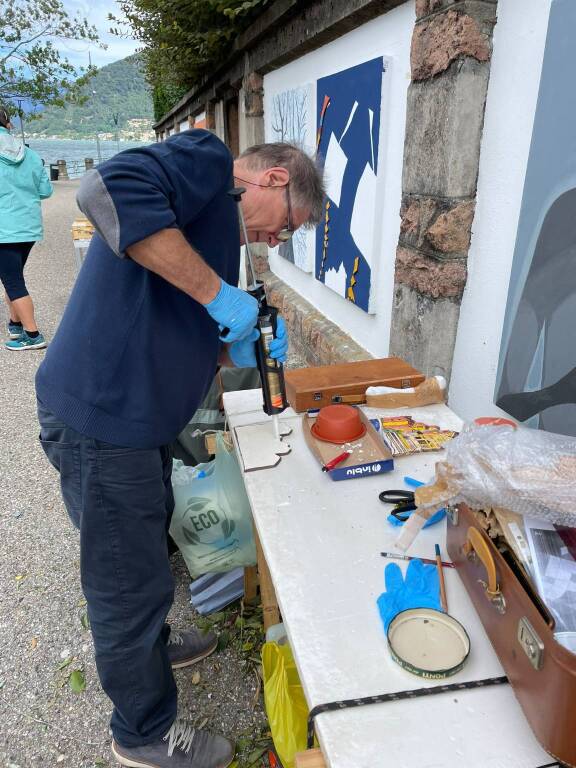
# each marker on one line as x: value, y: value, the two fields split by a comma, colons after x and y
x: 15, y: 331
x: 26, y: 342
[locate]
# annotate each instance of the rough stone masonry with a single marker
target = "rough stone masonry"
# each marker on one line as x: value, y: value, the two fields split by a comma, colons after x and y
x: 450, y: 63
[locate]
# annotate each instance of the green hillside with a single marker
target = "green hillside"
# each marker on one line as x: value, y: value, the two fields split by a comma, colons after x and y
x: 119, y: 88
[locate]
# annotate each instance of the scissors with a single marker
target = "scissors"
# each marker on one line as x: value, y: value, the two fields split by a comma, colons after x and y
x: 404, y: 504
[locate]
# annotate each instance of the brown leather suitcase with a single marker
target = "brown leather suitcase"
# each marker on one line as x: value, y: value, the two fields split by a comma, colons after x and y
x: 346, y: 383
x: 541, y: 671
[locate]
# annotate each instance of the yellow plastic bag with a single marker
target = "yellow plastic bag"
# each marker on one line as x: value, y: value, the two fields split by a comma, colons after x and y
x: 284, y: 700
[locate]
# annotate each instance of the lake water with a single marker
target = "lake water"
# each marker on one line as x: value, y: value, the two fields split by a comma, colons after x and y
x: 75, y: 151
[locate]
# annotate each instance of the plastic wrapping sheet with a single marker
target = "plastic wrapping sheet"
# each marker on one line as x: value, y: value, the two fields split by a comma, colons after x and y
x: 527, y: 471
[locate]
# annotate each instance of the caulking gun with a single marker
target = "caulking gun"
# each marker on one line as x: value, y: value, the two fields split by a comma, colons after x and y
x: 271, y: 371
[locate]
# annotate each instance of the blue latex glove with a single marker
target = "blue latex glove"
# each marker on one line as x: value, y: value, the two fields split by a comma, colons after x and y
x: 279, y: 345
x: 420, y: 588
x: 234, y: 309
x: 243, y: 353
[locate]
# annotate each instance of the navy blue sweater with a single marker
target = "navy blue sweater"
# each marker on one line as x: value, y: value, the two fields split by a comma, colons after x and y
x: 134, y: 356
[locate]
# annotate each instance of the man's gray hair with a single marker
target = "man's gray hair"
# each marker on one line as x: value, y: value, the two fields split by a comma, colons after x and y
x: 306, y: 186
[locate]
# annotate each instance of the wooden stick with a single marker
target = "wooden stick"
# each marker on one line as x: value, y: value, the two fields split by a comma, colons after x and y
x: 443, y: 598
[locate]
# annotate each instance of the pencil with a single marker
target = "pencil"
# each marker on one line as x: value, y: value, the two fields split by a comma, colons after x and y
x: 427, y: 560
x: 443, y: 599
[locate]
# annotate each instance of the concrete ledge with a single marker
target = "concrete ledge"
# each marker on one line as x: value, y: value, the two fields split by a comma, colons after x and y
x: 317, y: 340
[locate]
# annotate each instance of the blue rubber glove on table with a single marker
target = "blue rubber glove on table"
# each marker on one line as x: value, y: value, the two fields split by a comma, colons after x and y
x: 419, y: 588
x: 243, y: 353
x: 234, y: 309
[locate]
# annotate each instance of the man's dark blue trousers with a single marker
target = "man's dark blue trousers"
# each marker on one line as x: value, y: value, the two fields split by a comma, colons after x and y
x: 121, y: 501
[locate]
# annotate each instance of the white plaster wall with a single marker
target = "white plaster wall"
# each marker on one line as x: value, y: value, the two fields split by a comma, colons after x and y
x: 390, y: 36
x: 519, y: 38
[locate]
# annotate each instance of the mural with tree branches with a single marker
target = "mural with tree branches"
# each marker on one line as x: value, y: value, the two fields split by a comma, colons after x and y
x: 292, y: 116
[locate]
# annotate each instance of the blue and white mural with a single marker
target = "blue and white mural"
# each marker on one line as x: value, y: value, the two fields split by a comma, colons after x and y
x: 348, y: 107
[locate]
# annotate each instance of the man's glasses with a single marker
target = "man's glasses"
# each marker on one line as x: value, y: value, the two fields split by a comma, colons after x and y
x: 285, y: 234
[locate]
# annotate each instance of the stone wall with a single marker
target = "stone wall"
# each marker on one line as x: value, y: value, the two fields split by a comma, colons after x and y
x: 450, y: 63
x: 315, y: 339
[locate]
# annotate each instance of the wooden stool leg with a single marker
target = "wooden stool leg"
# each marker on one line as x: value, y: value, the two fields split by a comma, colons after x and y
x: 313, y: 758
x: 270, y: 611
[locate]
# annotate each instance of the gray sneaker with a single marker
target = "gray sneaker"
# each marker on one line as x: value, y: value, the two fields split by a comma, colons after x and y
x: 185, y: 648
x: 187, y: 748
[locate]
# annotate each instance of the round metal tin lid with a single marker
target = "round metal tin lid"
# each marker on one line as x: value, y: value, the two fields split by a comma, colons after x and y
x: 428, y: 643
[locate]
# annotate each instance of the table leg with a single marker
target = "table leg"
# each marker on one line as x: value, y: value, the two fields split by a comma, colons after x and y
x: 270, y: 611
x: 250, y: 583
x: 312, y: 758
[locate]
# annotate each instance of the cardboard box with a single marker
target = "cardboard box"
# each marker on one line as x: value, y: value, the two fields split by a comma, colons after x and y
x: 369, y: 456
x: 346, y: 383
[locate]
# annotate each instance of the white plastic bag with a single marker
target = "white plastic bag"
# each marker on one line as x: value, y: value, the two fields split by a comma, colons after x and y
x: 527, y: 471
x: 212, y: 520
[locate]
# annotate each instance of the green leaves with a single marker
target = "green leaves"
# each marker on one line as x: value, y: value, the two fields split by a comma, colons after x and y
x: 31, y: 66
x: 77, y: 681
x: 183, y: 41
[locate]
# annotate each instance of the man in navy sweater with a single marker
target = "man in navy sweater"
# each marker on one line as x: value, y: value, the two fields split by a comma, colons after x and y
x: 136, y: 351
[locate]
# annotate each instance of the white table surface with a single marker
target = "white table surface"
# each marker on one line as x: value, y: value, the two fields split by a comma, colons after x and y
x: 322, y: 541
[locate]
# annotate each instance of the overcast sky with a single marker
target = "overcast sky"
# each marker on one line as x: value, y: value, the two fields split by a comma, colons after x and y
x: 96, y: 12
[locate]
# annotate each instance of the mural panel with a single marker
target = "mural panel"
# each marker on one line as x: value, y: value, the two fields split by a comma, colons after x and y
x: 536, y: 380
x: 292, y: 116
x: 348, y: 107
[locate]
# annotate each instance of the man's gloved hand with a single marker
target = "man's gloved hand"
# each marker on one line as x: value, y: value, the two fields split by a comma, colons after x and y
x: 243, y: 353
x: 420, y: 588
x: 279, y: 345
x: 234, y: 309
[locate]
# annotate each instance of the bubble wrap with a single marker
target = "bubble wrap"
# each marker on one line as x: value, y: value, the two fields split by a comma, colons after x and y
x: 527, y: 471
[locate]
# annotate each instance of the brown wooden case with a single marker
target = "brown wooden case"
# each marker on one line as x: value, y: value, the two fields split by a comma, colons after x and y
x: 346, y: 383
x: 541, y: 671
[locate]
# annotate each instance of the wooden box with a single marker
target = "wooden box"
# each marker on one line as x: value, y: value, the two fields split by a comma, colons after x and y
x: 346, y: 383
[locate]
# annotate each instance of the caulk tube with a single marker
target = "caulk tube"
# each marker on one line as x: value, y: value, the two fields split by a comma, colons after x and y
x: 271, y: 371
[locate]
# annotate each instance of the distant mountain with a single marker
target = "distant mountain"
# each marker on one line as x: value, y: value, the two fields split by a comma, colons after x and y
x: 118, y: 88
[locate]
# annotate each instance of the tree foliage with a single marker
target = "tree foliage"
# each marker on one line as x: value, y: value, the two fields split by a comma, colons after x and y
x: 183, y: 40
x: 31, y: 66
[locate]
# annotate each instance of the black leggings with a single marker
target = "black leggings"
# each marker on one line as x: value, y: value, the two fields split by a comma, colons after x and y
x: 13, y: 257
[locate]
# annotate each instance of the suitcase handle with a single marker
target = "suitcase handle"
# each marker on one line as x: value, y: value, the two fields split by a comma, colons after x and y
x: 477, y: 546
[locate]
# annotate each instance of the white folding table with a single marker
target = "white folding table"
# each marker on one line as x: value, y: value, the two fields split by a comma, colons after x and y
x: 322, y: 541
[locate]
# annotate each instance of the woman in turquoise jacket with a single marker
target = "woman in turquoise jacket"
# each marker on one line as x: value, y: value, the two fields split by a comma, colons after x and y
x: 23, y: 183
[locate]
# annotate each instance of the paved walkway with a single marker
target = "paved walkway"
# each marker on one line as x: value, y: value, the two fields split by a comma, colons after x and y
x: 42, y: 634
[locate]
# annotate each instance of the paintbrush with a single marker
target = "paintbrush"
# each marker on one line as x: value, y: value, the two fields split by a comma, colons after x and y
x: 443, y: 598
x: 427, y: 560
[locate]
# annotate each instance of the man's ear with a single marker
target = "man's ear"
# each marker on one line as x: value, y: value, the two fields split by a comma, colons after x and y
x: 276, y: 177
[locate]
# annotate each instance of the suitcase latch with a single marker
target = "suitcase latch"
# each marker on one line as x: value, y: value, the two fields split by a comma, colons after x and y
x: 452, y: 513
x: 531, y: 644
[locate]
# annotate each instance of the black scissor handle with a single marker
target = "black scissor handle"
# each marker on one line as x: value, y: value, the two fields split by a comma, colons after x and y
x: 396, y: 497
x: 403, y: 511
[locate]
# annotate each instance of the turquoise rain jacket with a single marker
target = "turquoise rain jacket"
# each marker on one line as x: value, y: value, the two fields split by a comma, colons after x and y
x: 23, y: 183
